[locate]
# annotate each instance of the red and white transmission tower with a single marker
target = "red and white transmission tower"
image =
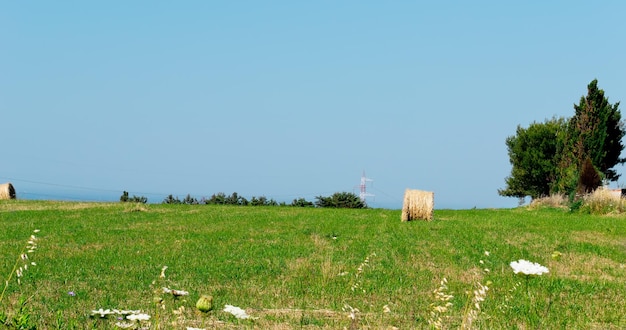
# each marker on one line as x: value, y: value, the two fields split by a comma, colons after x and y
x: 363, y: 187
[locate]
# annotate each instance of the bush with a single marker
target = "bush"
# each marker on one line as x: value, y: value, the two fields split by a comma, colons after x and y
x: 221, y: 199
x: 301, y: 202
x: 340, y: 200
x: 171, y: 200
x: 262, y: 201
x: 190, y: 200
x: 135, y: 199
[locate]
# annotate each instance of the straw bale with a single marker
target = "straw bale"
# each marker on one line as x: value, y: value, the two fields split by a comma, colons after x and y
x: 418, y: 204
x: 7, y: 191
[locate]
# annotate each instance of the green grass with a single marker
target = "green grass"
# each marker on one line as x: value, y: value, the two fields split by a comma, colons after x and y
x: 296, y: 267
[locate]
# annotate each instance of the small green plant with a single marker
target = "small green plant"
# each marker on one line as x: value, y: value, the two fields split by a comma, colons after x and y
x: 439, y: 309
x: 472, y: 309
x: 161, y: 290
x: 21, y: 318
x: 357, y: 288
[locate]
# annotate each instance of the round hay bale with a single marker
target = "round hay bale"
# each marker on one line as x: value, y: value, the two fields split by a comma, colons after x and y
x: 7, y: 191
x: 418, y: 204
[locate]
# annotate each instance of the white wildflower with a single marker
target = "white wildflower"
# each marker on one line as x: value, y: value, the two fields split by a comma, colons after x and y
x: 138, y: 317
x: 238, y: 312
x: 528, y: 268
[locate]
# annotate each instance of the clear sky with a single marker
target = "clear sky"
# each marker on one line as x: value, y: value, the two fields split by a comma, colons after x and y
x: 290, y: 99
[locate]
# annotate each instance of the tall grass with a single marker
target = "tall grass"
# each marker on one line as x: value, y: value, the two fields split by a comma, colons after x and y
x: 603, y: 201
x: 306, y: 268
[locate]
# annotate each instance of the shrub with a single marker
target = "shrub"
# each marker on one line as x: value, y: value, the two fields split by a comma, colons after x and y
x: 221, y: 199
x: 262, y: 201
x: 190, y: 200
x: 340, y: 200
x: 135, y: 199
x: 171, y: 200
x: 301, y: 202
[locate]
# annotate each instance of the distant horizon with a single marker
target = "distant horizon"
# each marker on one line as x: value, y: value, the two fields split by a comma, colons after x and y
x: 76, y: 195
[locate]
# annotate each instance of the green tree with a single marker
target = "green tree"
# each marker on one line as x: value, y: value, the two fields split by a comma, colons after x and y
x: 549, y: 157
x: 170, y: 199
x: 217, y: 199
x: 301, y: 202
x: 340, y: 200
x: 595, y: 132
x: 124, y: 198
x: 135, y: 199
x: 190, y: 200
x: 235, y: 199
x: 533, y: 155
x: 260, y: 201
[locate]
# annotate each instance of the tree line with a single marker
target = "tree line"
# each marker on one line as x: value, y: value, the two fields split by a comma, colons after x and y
x: 336, y: 200
x: 570, y: 156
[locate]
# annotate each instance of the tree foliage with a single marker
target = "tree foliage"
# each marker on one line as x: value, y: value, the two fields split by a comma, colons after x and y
x: 589, y: 178
x: 301, y: 202
x: 340, y: 200
x: 262, y: 201
x: 135, y: 199
x: 190, y: 200
x: 595, y: 132
x: 170, y: 199
x: 533, y: 154
x: 550, y: 157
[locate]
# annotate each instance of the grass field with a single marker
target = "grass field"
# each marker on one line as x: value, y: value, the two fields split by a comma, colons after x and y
x: 292, y: 268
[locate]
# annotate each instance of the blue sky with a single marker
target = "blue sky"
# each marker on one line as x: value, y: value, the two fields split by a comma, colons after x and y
x: 290, y: 99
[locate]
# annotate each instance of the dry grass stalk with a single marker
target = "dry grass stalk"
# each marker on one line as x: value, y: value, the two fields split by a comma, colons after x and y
x: 603, y: 201
x: 554, y: 200
x: 7, y: 191
x: 603, y: 195
x: 418, y: 204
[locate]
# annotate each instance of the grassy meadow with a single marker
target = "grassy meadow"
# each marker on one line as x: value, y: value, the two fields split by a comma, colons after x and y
x: 291, y: 268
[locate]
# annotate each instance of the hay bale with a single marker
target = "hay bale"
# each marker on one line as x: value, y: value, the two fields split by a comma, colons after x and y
x: 7, y: 191
x: 418, y: 204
